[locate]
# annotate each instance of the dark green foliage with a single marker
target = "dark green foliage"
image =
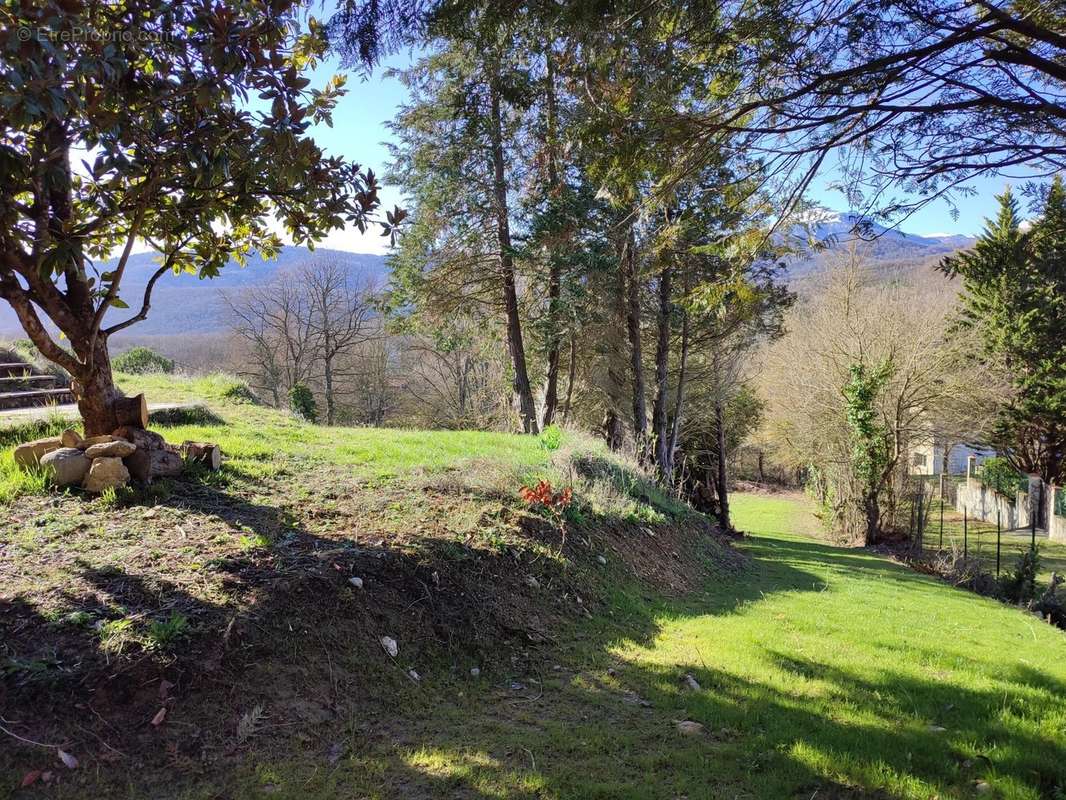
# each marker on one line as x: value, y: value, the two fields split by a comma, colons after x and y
x: 861, y: 393
x: 1019, y: 584
x: 164, y: 634
x: 302, y: 402
x: 141, y: 361
x: 1014, y: 304
x: 1001, y: 476
x: 240, y: 392
x: 184, y: 415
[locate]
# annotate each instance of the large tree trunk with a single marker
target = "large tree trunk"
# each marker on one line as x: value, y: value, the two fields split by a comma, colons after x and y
x: 613, y: 431
x: 328, y: 376
x: 571, y: 376
x: 96, y: 394
x: 551, y: 391
x: 522, y: 389
x: 872, y: 513
x: 723, y: 473
x: 631, y: 293
x: 679, y: 400
x: 662, y: 363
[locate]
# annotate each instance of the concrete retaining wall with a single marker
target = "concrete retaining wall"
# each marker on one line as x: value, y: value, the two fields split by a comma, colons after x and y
x: 980, y: 502
x: 1056, y: 524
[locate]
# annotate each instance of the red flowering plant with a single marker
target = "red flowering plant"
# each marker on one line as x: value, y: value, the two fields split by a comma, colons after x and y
x: 543, y: 497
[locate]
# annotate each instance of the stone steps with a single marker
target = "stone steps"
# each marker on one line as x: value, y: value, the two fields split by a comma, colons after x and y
x: 34, y: 398
x: 23, y: 386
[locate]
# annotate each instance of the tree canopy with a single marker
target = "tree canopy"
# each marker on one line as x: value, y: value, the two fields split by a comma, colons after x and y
x: 1014, y: 303
x: 180, y: 125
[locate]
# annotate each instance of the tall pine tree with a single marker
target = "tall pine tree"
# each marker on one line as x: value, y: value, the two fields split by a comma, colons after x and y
x: 1014, y: 299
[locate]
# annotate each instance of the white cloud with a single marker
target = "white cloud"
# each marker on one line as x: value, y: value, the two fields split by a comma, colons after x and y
x: 352, y: 241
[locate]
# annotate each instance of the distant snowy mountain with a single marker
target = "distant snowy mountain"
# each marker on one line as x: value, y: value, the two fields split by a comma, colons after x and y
x: 875, y: 243
x: 185, y: 304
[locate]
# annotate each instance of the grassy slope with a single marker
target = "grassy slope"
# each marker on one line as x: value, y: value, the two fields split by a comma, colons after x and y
x: 825, y: 672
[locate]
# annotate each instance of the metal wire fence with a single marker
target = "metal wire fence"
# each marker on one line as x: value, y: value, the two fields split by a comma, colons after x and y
x: 937, y: 526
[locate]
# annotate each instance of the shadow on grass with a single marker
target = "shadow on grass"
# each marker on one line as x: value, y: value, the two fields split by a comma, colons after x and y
x: 280, y: 682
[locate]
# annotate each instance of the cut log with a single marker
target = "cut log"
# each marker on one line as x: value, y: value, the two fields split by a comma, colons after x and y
x: 132, y: 411
x: 145, y: 465
x: 206, y: 453
x: 145, y: 440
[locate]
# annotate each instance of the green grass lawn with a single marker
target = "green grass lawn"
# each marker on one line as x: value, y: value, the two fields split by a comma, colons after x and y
x: 824, y: 672
x: 261, y: 441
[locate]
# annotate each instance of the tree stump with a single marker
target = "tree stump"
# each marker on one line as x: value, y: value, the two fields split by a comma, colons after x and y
x: 206, y: 453
x: 132, y: 411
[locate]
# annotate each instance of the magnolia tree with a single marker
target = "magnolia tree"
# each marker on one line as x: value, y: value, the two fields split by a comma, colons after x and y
x: 180, y: 125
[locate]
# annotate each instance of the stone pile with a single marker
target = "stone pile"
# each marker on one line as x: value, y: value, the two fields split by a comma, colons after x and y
x: 102, y: 462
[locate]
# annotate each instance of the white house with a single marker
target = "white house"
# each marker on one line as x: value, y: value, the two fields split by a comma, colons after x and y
x: 927, y: 458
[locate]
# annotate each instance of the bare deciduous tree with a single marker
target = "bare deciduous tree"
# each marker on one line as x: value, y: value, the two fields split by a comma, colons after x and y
x: 341, y: 310
x: 301, y: 327
x: 850, y: 319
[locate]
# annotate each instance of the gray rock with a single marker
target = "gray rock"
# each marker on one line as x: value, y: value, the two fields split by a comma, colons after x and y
x: 687, y: 727
x: 101, y: 439
x: 475, y: 672
x: 67, y: 466
x: 601, y: 560
x: 115, y: 449
x: 29, y: 454
x: 106, y: 473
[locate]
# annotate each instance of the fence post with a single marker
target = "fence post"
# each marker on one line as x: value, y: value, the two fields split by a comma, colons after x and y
x: 998, y: 532
x: 965, y: 530
x: 941, y: 521
x: 923, y: 513
x: 910, y: 525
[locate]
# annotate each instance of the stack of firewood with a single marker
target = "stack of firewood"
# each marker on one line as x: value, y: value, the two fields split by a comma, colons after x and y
x: 154, y: 456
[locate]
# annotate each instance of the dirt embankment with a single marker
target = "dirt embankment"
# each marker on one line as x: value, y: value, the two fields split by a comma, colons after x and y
x: 164, y: 632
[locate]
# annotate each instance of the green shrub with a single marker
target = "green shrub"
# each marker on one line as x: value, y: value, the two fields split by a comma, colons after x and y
x: 162, y: 635
x: 999, y: 475
x: 302, y: 402
x: 142, y: 361
x: 1019, y: 585
x: 551, y: 437
x: 239, y: 392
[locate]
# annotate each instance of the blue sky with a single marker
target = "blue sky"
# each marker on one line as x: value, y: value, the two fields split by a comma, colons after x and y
x: 359, y: 131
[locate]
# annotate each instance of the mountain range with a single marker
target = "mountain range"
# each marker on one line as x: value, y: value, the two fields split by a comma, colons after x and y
x: 185, y: 304
x: 880, y: 246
